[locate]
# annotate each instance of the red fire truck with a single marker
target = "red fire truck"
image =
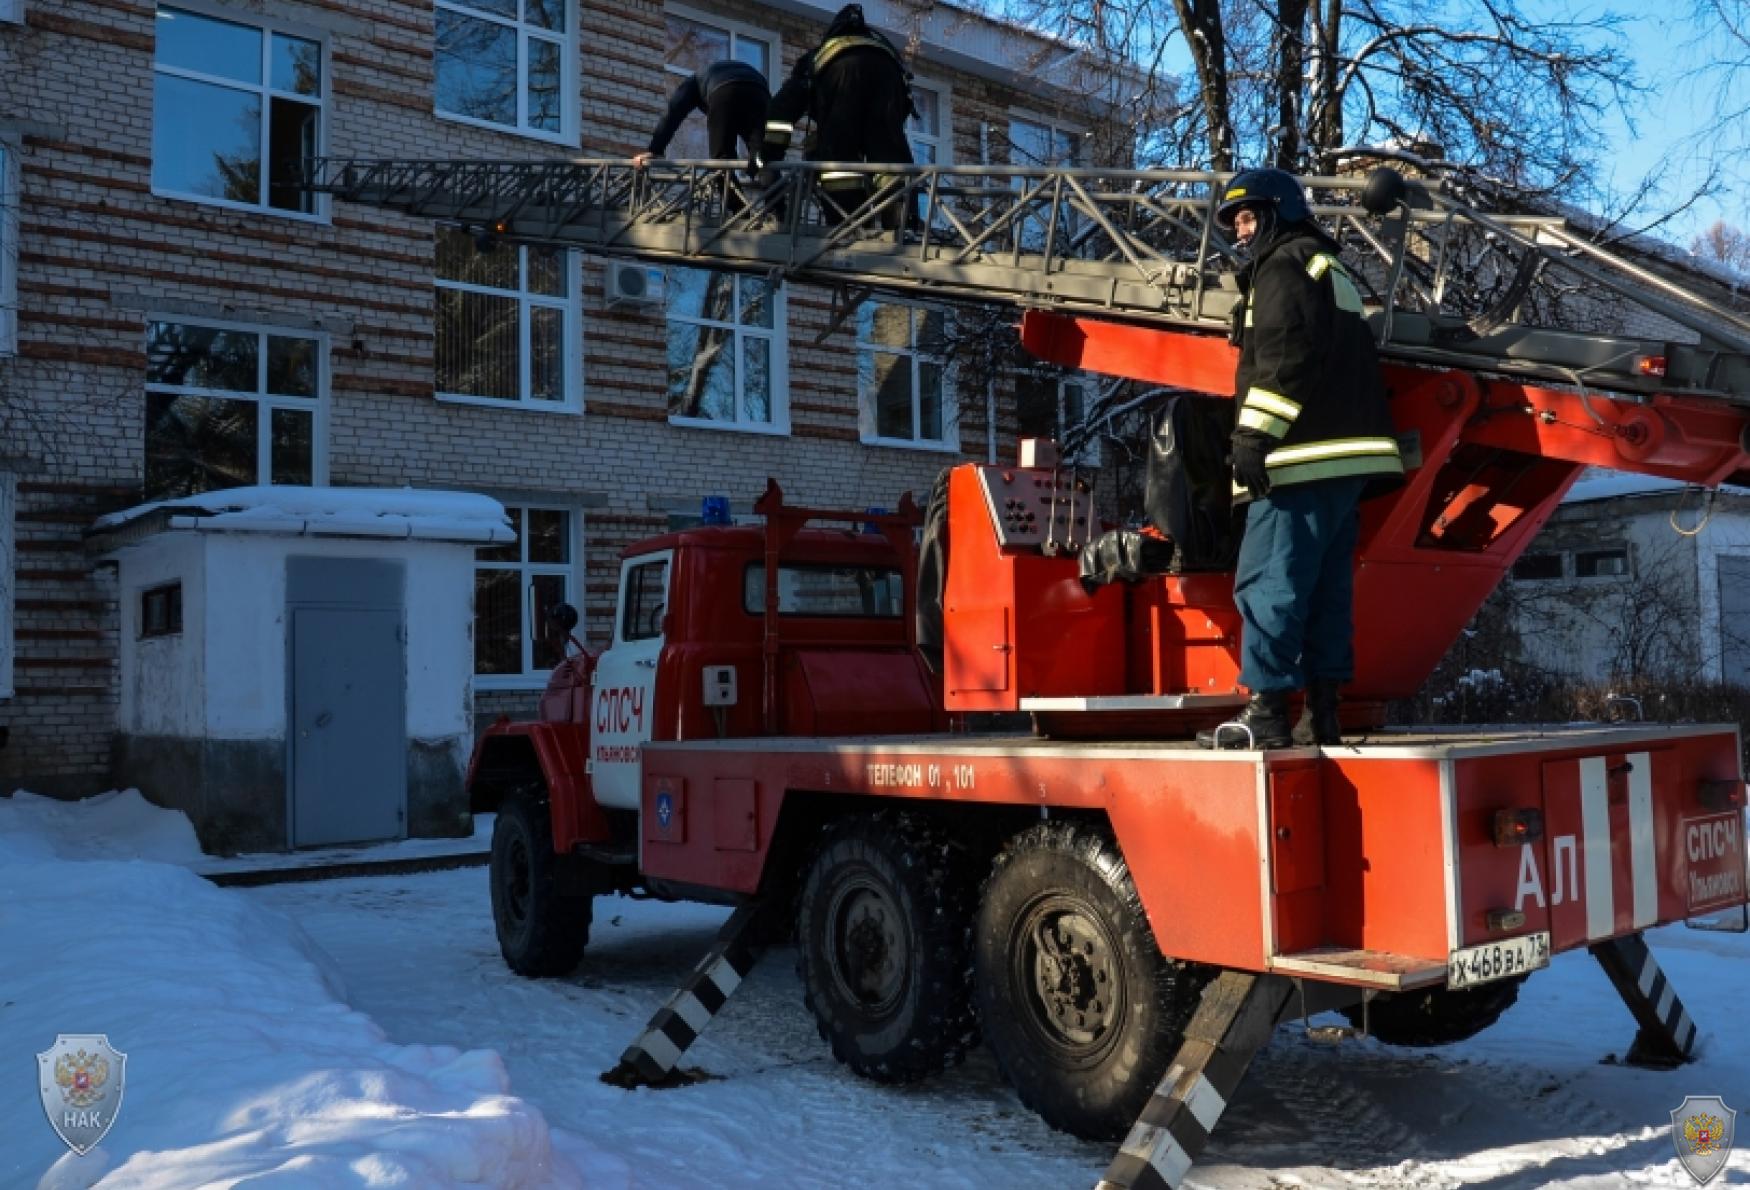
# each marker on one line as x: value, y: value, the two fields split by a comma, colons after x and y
x: 1121, y: 916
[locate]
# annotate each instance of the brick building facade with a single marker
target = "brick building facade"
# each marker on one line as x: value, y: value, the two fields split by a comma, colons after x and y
x: 186, y: 318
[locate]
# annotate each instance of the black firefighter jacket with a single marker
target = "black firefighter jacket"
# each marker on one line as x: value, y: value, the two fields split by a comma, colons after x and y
x: 1308, y: 376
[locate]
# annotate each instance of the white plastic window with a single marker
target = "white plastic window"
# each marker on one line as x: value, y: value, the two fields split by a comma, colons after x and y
x: 509, y: 331
x: 515, y: 587
x: 231, y: 406
x: 694, y: 42
x: 905, y: 382
x: 726, y: 351
x: 236, y: 108
x: 508, y: 64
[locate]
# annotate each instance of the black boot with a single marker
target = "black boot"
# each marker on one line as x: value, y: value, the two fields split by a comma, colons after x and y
x: 1265, y: 724
x: 1318, y: 718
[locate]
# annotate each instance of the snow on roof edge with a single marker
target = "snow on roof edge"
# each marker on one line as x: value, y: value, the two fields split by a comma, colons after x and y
x: 422, y: 514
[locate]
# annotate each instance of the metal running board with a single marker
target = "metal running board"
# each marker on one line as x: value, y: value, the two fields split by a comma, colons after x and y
x: 1362, y: 968
x: 1234, y: 1021
x: 1134, y: 702
x: 1666, y: 1037
x: 1135, y: 244
x: 651, y: 1060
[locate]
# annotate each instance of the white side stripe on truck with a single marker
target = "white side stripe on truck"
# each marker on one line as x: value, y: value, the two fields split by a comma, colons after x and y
x: 1643, y: 862
x: 1595, y: 838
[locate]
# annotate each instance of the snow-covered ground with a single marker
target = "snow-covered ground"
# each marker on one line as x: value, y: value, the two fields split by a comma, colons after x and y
x: 365, y: 1032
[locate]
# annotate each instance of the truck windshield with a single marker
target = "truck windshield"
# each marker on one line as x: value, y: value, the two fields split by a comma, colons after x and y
x: 826, y: 590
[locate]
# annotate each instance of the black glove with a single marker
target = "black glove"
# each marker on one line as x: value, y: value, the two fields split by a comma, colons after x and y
x: 1249, y: 449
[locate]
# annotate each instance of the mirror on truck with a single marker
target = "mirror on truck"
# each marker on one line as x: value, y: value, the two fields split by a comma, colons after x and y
x: 562, y: 617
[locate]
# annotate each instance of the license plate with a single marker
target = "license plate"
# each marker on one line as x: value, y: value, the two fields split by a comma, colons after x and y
x: 1497, y: 960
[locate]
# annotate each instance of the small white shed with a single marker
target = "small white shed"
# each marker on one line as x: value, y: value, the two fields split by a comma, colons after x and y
x: 297, y: 663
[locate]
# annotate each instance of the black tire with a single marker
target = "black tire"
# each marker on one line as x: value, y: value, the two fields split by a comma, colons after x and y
x: 541, y: 930
x: 1436, y: 1016
x: 1079, y: 1006
x: 882, y: 932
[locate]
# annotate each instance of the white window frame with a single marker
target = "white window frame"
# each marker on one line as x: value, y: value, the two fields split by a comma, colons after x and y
x: 265, y: 89
x: 738, y: 31
x: 777, y: 364
x: 1023, y: 116
x: 944, y: 137
x: 868, y: 417
x: 12, y: 11
x: 10, y: 179
x: 1089, y: 383
x: 531, y: 678
x: 569, y: 117
x: 8, y: 573
x: 572, y: 354
x: 264, y: 401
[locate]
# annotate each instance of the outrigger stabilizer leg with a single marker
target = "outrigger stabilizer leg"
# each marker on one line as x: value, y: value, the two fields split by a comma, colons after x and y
x: 651, y: 1060
x: 1666, y: 1035
x: 1238, y: 1013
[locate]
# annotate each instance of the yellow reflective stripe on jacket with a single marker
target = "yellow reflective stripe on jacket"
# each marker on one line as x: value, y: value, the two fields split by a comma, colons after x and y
x: 778, y: 132
x: 1333, y: 448
x: 842, y: 179
x: 1342, y: 285
x: 1269, y: 402
x: 838, y: 45
x: 1257, y: 419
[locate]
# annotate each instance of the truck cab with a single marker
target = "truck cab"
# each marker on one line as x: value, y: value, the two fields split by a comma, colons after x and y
x: 803, y: 625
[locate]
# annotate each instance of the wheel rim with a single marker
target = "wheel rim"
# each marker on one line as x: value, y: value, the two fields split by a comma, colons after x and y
x: 516, y: 883
x: 866, y: 945
x: 1066, y: 965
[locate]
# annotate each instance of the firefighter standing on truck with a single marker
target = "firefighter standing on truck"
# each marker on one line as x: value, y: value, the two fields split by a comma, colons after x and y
x: 855, y: 87
x: 1313, y: 434
x: 734, y: 97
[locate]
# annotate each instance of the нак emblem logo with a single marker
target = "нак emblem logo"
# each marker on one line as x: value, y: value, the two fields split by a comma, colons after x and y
x: 81, y: 1078
x: 1701, y: 1129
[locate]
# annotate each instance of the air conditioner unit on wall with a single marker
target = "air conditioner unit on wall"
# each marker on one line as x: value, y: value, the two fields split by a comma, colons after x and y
x: 631, y: 284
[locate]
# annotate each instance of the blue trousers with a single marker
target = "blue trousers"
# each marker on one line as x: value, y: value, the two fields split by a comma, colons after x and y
x: 1295, y: 585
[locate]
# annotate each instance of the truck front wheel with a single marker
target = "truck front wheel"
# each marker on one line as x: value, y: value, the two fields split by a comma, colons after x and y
x: 1077, y: 1002
x: 542, y: 930
x: 882, y: 929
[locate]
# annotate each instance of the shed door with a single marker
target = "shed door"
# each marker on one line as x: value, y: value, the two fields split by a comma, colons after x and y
x: 1735, y: 619
x: 348, y: 717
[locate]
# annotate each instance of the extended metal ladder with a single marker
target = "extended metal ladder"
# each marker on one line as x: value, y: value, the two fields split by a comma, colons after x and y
x: 1521, y: 295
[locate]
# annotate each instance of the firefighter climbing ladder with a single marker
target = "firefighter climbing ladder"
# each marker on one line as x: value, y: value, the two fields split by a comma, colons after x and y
x: 1455, y: 286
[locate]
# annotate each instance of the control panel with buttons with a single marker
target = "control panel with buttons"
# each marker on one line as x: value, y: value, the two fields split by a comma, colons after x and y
x: 1035, y: 509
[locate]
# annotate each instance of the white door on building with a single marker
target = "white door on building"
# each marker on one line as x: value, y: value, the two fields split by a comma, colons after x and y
x: 625, y: 681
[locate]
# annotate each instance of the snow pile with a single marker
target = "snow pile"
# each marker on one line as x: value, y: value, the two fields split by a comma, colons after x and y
x: 119, y: 824
x: 373, y: 512
x: 243, y: 1063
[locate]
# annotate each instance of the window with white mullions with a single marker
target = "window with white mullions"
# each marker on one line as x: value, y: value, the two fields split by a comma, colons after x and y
x: 236, y: 110
x: 504, y: 63
x: 516, y: 586
x: 508, y: 323
x: 232, y: 406
x: 905, y: 385
x: 726, y: 362
x: 1035, y: 143
x: 1055, y: 404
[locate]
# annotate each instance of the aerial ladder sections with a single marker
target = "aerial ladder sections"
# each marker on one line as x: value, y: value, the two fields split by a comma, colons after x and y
x: 1430, y: 870
x: 1500, y: 395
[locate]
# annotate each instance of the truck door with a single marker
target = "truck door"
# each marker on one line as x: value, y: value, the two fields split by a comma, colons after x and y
x: 624, y: 699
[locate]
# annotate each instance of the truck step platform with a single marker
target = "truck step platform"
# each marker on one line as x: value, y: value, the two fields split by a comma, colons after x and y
x: 1372, y: 968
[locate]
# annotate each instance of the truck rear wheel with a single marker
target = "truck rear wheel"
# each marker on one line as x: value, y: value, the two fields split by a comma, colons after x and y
x: 882, y: 929
x: 1436, y: 1016
x: 541, y: 930
x: 1077, y: 1002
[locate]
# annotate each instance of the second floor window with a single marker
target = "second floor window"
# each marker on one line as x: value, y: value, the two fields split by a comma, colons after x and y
x: 905, y: 386
x: 693, y: 44
x: 508, y: 327
x: 726, y: 350
x: 236, y: 109
x: 505, y: 63
x: 229, y: 407
x: 928, y: 129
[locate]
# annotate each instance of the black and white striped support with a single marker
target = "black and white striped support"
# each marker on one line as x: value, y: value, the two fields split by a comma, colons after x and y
x: 1234, y: 1021
x: 677, y: 1024
x: 1666, y: 1036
